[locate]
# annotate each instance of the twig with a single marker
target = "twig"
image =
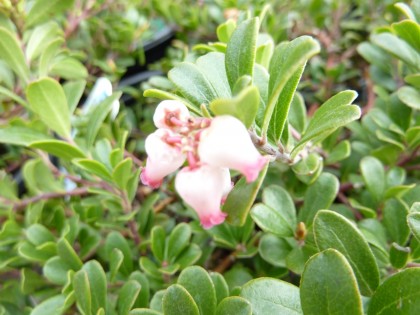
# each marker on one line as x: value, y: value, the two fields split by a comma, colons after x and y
x: 19, y: 205
x: 268, y: 149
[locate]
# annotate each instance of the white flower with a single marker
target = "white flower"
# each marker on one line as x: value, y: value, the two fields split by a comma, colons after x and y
x: 226, y: 143
x: 162, y: 160
x: 204, y: 188
x: 170, y: 114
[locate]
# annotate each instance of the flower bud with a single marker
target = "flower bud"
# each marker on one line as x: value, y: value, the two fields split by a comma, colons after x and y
x: 170, y: 114
x: 203, y: 189
x: 162, y: 160
x: 226, y: 143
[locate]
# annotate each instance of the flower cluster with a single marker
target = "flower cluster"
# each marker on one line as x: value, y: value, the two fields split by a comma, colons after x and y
x: 210, y: 146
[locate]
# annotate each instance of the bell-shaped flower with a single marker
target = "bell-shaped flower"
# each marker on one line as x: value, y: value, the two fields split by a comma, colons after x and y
x: 203, y: 189
x: 170, y: 114
x: 163, y: 158
x: 226, y: 143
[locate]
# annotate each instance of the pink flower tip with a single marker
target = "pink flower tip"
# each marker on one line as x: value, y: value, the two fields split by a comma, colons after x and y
x: 148, y: 181
x: 210, y: 220
x: 252, y: 171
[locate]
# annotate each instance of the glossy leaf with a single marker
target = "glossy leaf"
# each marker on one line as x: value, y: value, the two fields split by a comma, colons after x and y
x: 410, y: 97
x: 42, y: 10
x: 395, y: 220
x: 332, y: 230
x: 272, y: 296
x: 288, y: 62
x: 200, y: 286
x: 67, y: 253
x: 241, y: 199
x: 177, y: 301
x: 274, y: 249
x: 374, y: 176
x: 399, y: 294
x: 47, y: 99
x: 178, y: 240
x: 98, y: 115
x: 12, y: 54
x: 277, y: 213
x: 127, y: 297
x: 234, y: 305
x: 94, y: 167
x: 50, y: 306
x: 241, y: 50
x: 320, y: 195
x: 398, y: 48
x: 328, y: 286
x: 244, y: 106
x: 59, y: 148
x: 334, y: 113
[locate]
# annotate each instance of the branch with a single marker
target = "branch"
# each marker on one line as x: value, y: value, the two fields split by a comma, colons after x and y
x: 21, y: 204
x: 268, y: 149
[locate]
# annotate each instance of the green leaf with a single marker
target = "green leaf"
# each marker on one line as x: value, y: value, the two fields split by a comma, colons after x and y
x: 413, y: 220
x: 178, y: 301
x: 188, y: 256
x: 199, y: 284
x: 42, y: 34
x: 74, y: 92
x: 50, y: 306
x: 67, y: 254
x: 332, y: 230
x: 12, y: 54
x: 116, y: 240
x: 13, y: 96
x: 94, y: 167
x: 397, y: 47
x: 234, y: 305
x: 277, y: 213
x: 157, y: 242
x: 241, y: 199
x: 374, y: 176
x: 82, y: 292
x: 320, y: 195
x: 122, y: 173
x: 116, y: 258
x: 288, y: 60
x: 97, y: 117
x: 144, y: 295
x: 309, y: 168
x: 59, y: 148
x: 212, y: 66
x: 328, y: 286
x: 241, y: 50
x: 334, y: 113
x: 220, y: 286
x: 399, y: 294
x: 21, y: 135
x: 274, y: 249
x: 395, y: 220
x: 43, y: 10
x: 47, y: 99
x: 272, y: 296
x: 192, y: 84
x: 225, y: 30
x: 244, y: 106
x: 55, y: 270
x: 68, y: 68
x: 409, y: 96
x: 178, y: 240
x: 340, y: 152
x: 409, y: 31
x: 127, y: 296
x: 47, y: 56
x: 144, y: 311
x: 399, y: 255
x: 38, y: 234
x: 90, y: 287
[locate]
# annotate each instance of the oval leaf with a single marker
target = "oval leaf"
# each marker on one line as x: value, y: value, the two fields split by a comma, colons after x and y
x: 58, y: 148
x: 177, y: 301
x: 332, y: 230
x: 328, y: 286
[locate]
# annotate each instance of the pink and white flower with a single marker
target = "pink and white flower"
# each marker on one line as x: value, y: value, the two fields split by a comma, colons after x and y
x: 170, y: 114
x: 226, y: 143
x: 203, y: 188
x: 163, y: 158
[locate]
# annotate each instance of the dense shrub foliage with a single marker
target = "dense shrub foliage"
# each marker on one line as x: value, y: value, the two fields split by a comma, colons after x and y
x: 295, y: 125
